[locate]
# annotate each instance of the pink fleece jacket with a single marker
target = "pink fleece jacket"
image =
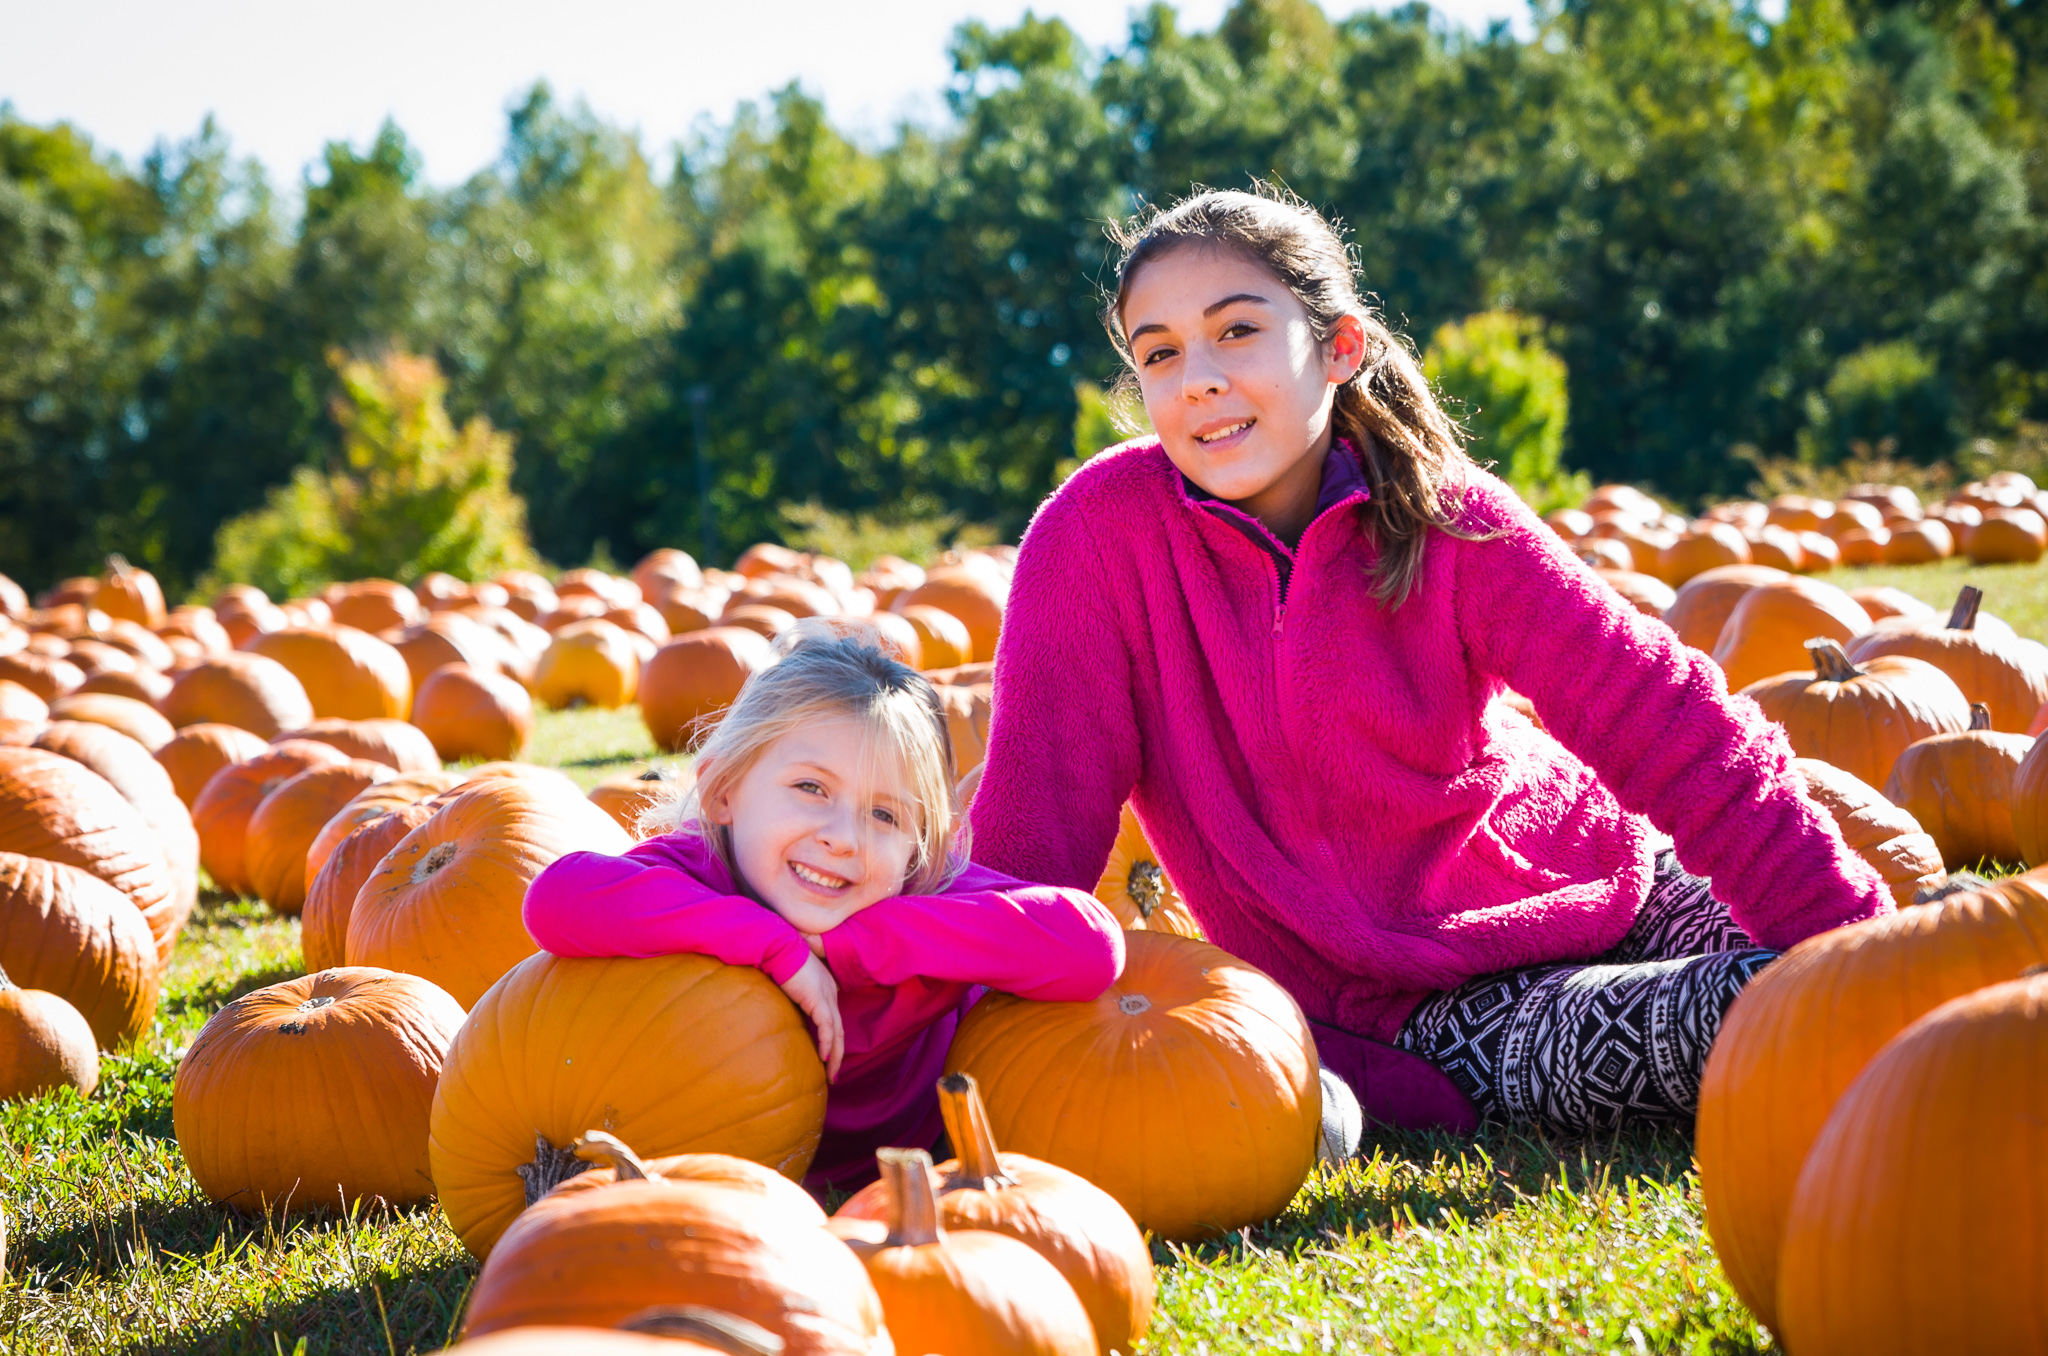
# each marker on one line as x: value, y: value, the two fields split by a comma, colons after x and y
x: 907, y: 967
x: 1334, y: 786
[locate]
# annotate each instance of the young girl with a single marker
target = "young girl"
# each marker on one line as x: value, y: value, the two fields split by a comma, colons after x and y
x: 1282, y: 627
x: 821, y: 851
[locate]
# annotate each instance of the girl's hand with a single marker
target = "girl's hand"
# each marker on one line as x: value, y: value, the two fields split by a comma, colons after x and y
x: 816, y: 942
x: 815, y: 991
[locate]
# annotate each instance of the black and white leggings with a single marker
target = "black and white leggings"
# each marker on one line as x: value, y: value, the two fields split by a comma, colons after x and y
x: 1594, y: 1045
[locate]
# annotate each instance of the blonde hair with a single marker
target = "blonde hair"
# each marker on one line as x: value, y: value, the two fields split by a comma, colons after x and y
x: 1414, y: 456
x: 833, y: 668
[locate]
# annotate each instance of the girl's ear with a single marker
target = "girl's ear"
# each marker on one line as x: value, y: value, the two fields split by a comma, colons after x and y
x: 717, y: 809
x: 1346, y: 349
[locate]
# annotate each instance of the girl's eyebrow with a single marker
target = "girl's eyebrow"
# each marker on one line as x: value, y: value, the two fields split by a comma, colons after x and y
x: 1230, y: 300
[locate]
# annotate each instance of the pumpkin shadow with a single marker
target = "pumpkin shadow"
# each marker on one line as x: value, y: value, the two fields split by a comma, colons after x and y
x: 419, y: 1311
x: 210, y: 995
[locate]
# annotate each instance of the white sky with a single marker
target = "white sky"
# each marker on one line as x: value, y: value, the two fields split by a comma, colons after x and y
x: 283, y: 77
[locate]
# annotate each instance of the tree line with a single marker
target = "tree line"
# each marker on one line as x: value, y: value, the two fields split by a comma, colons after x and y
x: 1743, y: 236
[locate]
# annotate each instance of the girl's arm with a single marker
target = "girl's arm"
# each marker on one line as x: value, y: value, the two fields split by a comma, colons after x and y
x: 1654, y: 719
x: 1035, y: 941
x: 646, y: 903
x: 1063, y: 668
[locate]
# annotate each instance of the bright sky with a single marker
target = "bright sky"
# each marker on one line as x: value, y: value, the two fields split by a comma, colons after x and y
x: 283, y: 77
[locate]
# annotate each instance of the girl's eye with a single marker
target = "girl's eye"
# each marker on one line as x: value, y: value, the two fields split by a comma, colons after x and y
x: 886, y: 816
x: 810, y: 788
x: 1238, y: 329
x: 1156, y: 355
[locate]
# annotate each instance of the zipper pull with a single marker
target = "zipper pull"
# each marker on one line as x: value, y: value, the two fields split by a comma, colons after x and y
x: 1279, y: 618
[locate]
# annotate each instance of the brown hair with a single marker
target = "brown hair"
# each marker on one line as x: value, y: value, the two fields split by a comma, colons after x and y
x: 834, y: 667
x: 1414, y: 455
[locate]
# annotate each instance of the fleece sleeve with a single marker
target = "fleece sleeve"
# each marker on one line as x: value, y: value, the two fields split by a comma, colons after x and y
x: 1036, y: 941
x: 1654, y: 719
x: 1063, y: 748
x: 644, y: 904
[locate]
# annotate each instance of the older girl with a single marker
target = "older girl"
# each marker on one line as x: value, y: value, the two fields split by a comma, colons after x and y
x: 821, y: 851
x: 1283, y: 627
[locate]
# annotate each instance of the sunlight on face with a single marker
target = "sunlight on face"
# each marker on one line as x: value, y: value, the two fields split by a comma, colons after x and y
x: 822, y: 826
x: 1235, y: 382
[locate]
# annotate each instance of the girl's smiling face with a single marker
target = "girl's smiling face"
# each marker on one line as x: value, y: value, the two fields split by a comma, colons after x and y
x: 822, y: 824
x: 1235, y: 381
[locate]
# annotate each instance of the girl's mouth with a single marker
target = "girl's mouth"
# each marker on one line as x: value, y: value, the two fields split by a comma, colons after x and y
x: 822, y: 882
x: 1225, y: 436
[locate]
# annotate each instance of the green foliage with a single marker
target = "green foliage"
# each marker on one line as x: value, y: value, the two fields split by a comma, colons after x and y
x: 412, y: 494
x: 1508, y: 390
x: 1886, y: 396
x: 857, y: 538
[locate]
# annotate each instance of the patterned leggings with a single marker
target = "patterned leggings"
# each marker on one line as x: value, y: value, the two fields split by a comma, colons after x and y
x: 1591, y: 1046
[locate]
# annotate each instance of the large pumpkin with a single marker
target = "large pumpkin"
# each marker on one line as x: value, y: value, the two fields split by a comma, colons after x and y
x: 71, y: 934
x: 473, y: 713
x: 1917, y: 1224
x: 1102, y: 1088
x: 1702, y: 604
x: 627, y: 795
x: 695, y: 676
x: 199, y: 751
x: 589, y: 663
x: 137, y: 720
x: 126, y: 592
x: 316, y: 1091
x: 968, y: 711
x: 1135, y: 886
x: 1709, y: 546
x: 942, y: 638
x: 1861, y: 717
x: 1767, y: 632
x: 445, y: 902
x: 44, y: 1044
x: 1876, y: 830
x: 48, y: 676
x: 288, y: 820
x: 1959, y: 787
x: 62, y: 811
x: 18, y: 703
x: 718, y: 1061
x: 333, y: 885
x: 611, y: 1160
x: 2009, y: 675
x: 260, y: 695
x: 375, y: 605
x: 601, y: 1257
x: 224, y: 809
x: 397, y: 744
x: 372, y: 802
x: 976, y: 594
x: 1803, y: 1029
x: 143, y: 783
x: 348, y: 674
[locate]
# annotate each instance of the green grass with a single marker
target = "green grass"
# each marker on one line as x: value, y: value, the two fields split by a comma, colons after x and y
x: 1508, y: 1242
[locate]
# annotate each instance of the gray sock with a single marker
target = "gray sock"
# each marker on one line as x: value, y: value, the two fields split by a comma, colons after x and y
x: 1343, y: 1123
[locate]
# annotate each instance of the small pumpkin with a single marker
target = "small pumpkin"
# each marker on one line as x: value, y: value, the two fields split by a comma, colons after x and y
x: 375, y: 605
x: 224, y: 809
x: 1700, y: 607
x: 1915, y: 1226
x: 128, y: 593
x: 1066, y: 1219
x: 1959, y: 787
x: 71, y: 934
x: 678, y: 1330
x: 1100, y: 1089
x: 1919, y: 543
x: 1708, y: 546
x: 445, y: 902
x: 1136, y: 888
x: 315, y: 1092
x: 1992, y: 666
x: 589, y: 663
x: 1767, y: 632
x: 48, y: 676
x: 45, y: 1044
x: 720, y: 1062
x: 379, y: 798
x: 968, y: 708
x: 943, y: 639
x: 196, y: 752
x: 332, y: 886
x: 1803, y: 1029
x: 288, y: 820
x: 137, y: 720
x: 260, y: 695
x: 1645, y: 593
x: 976, y: 591
x: 2006, y: 536
x: 695, y: 676
x: 467, y: 712
x: 144, y: 685
x: 610, y: 1160
x: 1876, y: 830
x: 348, y: 674
x: 1861, y: 717
x: 625, y: 796
x: 1886, y: 601
x: 397, y: 744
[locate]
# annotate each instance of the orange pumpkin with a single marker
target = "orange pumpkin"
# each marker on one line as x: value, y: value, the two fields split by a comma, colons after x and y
x: 968, y: 711
x: 719, y: 1062
x: 589, y: 663
x: 625, y: 796
x: 71, y: 934
x: 379, y: 798
x: 1919, y: 543
x: 2028, y: 804
x: 315, y: 1093
x: 143, y: 686
x: 1700, y: 607
x: 1135, y: 886
x: 1959, y: 787
x: 445, y: 902
x: 609, y: 1160
x: 1805, y: 1027
x: 470, y: 713
x: 128, y: 593
x: 260, y: 695
x: 1916, y: 1225
x: 224, y: 809
x: 62, y: 811
x: 197, y: 624
x: 1861, y: 717
x: 450, y: 638
x: 132, y: 718
x: 18, y: 703
x: 199, y: 751
x: 1709, y: 546
x: 682, y: 1331
x: 1066, y: 1219
x: 45, y: 675
x: 127, y: 767
x: 1178, y: 1003
x: 1778, y: 548
x: 2009, y: 675
x: 44, y: 1044
x: 765, y: 622
x: 1767, y: 632
x: 1886, y: 601
x: 601, y: 1257
x: 332, y: 885
x: 13, y: 599
x: 375, y: 605
x: 397, y: 744
x: 959, y: 1290
x: 2006, y: 536
x: 288, y: 820
x: 943, y: 639
x: 1645, y: 593
x: 899, y: 638
x: 1876, y: 830
x: 975, y: 591
x: 348, y: 674
x: 696, y: 676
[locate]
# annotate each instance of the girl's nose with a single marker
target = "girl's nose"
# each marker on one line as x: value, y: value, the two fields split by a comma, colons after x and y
x: 839, y: 833
x: 1201, y: 376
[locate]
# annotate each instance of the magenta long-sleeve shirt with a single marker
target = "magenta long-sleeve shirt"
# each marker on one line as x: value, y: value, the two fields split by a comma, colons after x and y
x: 907, y: 967
x: 1334, y: 785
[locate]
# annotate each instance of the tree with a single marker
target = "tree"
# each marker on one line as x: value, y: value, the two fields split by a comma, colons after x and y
x: 1508, y: 390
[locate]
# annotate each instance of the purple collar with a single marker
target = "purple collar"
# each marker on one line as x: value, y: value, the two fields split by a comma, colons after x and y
x: 1343, y: 476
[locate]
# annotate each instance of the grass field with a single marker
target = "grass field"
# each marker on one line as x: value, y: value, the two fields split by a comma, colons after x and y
x: 1510, y: 1242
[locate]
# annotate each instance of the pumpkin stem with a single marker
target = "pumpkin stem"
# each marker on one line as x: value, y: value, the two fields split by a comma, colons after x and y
x: 549, y: 1169
x: 5, y: 982
x: 913, y: 1206
x: 978, y: 1166
x: 601, y: 1149
x: 713, y: 1328
x: 1830, y: 661
x: 1980, y: 716
x: 118, y: 566
x: 1147, y: 886
x: 1964, y: 615
x: 437, y: 857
